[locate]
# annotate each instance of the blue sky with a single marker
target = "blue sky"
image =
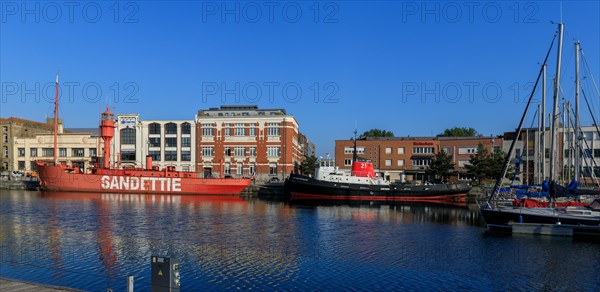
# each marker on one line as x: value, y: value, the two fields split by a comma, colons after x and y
x: 414, y: 68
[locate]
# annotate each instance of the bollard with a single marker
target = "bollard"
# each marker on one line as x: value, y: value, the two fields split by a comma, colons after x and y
x: 130, y: 284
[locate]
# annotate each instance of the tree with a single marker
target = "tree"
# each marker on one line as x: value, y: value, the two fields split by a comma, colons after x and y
x: 458, y: 132
x: 377, y: 133
x: 442, y: 166
x: 479, y: 164
x: 308, y: 165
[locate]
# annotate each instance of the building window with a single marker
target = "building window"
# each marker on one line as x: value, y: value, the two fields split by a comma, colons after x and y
x: 21, y: 165
x: 273, y: 129
x: 388, y: 150
x: 5, y: 137
x: 155, y: 155
x: 272, y: 151
x: 208, y: 131
x: 128, y: 136
x: 154, y: 128
x: 240, y: 169
x: 78, y: 152
x: 93, y: 152
x: 171, y: 128
x: 186, y: 128
x: 252, y: 132
x: 400, y: 162
x: 347, y: 162
x: 272, y: 169
x: 348, y: 150
x: 462, y: 163
x: 547, y: 153
x: 227, y: 131
x: 388, y: 162
x: 154, y: 142
x: 128, y: 155
x: 227, y: 168
x: 421, y: 162
x: 208, y: 151
x: 447, y: 150
x: 171, y: 142
x: 5, y: 152
x: 21, y: 152
x: 186, y: 155
x: 252, y: 152
x: 467, y: 150
x: 33, y: 152
x: 62, y: 152
x: 423, y: 150
x: 227, y: 151
x: 239, y: 130
x: 252, y: 168
x: 240, y: 151
x: 170, y: 155
x: 5, y: 128
x: 186, y: 141
x: 47, y: 152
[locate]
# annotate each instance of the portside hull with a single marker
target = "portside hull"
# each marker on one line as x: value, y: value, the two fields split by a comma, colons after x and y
x: 502, y: 217
x: 54, y: 178
x: 303, y: 188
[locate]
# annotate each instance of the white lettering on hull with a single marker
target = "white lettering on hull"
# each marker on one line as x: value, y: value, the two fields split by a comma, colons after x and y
x: 132, y: 183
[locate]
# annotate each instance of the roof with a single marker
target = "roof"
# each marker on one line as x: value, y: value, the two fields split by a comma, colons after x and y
x: 92, y: 131
x: 23, y: 121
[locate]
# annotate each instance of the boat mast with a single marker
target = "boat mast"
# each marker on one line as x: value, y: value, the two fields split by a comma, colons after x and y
x: 538, y: 157
x: 56, y: 123
x: 553, y: 148
x: 543, y: 133
x: 354, y: 155
x: 577, y: 132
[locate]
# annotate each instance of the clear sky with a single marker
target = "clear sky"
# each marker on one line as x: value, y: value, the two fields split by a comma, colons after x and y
x: 413, y: 68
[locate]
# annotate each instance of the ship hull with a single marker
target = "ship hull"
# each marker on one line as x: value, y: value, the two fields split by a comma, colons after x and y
x: 302, y: 188
x: 503, y: 217
x: 55, y: 178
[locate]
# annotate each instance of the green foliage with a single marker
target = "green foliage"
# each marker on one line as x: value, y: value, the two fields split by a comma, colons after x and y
x: 486, y: 165
x: 377, y: 133
x: 458, y: 132
x: 442, y: 166
x: 308, y: 165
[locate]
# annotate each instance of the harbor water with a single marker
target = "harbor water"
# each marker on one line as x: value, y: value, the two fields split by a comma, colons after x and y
x: 95, y: 241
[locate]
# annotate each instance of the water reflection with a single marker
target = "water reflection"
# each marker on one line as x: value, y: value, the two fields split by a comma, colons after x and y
x: 94, y: 241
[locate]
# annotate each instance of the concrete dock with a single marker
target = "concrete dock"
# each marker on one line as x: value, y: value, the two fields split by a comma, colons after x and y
x: 589, y: 232
x: 9, y: 285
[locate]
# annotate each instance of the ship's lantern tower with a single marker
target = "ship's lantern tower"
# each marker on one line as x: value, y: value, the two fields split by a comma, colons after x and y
x: 107, y: 132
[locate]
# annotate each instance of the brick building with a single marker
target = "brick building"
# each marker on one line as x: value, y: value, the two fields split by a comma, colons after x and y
x: 19, y: 128
x: 246, y: 141
x: 408, y: 158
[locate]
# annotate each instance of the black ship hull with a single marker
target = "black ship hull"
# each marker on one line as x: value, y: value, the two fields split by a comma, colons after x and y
x: 303, y: 188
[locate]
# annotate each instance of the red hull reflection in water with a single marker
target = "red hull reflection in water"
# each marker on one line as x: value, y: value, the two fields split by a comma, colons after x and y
x: 143, y: 198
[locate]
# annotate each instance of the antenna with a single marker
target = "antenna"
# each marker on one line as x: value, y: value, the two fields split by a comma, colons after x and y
x: 561, y: 12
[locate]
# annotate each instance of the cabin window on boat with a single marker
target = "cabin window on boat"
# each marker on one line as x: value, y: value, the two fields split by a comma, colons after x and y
x: 154, y: 128
x: 62, y: 152
x: 128, y: 136
x: 273, y: 169
x: 79, y: 152
x: 186, y: 128
x: 171, y: 128
x: 186, y: 155
x: 388, y: 150
x: 170, y: 155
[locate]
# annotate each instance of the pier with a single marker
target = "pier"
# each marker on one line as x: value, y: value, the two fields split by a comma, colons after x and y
x: 9, y: 285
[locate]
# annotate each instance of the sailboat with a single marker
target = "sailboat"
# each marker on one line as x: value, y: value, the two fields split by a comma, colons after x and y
x: 497, y: 215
